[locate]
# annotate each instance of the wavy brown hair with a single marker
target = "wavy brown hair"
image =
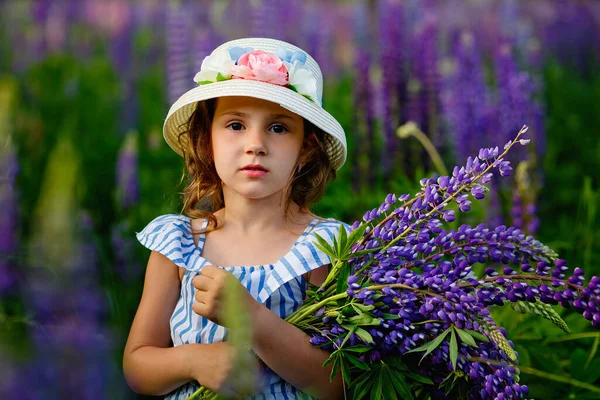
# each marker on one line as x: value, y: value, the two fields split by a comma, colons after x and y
x: 203, y: 192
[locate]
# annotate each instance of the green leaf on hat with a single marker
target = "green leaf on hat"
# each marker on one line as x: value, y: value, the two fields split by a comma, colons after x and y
x: 221, y: 78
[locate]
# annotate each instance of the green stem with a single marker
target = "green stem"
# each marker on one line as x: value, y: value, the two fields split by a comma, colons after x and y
x: 559, y: 378
x: 412, y: 129
x: 311, y: 309
x: 575, y: 336
x: 446, y: 201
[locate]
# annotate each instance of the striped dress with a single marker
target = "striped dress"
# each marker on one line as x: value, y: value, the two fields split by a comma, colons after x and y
x: 280, y: 287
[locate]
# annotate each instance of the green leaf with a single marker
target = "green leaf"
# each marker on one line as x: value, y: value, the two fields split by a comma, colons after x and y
x: 204, y: 82
x: 364, y: 335
x: 430, y: 346
x: 342, y: 241
x: 376, y: 391
x: 400, y: 384
x: 221, y: 78
x: 364, y: 320
x: 389, y: 316
x: 388, y: 389
x: 466, y: 337
x: 356, y: 234
x: 358, y: 363
x: 345, y: 371
x: 362, y: 307
x: 419, y: 378
x: 332, y: 356
x: 335, y: 247
x: 334, y: 368
x: 479, y: 336
x: 342, y: 279
x: 359, y: 349
x: 593, y: 351
x: 362, y: 385
x: 363, y: 252
x: 396, y: 363
x: 453, y: 349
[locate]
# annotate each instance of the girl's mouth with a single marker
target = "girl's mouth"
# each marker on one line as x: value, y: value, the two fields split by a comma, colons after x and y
x: 254, y: 171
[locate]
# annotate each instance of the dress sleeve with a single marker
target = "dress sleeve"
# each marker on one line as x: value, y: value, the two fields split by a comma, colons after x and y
x: 304, y: 257
x: 171, y: 236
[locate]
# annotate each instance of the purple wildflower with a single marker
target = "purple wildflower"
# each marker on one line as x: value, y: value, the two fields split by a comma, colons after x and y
x: 178, y: 43
x: 128, y: 191
x: 425, y: 83
x: 393, y: 84
x: 466, y: 100
x: 8, y: 217
x: 417, y: 284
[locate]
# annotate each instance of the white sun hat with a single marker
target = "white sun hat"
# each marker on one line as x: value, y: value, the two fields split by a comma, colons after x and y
x: 266, y: 69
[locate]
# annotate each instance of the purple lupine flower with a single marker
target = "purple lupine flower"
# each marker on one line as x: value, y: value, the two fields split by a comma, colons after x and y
x: 574, y: 35
x: 262, y: 19
x: 417, y: 283
x: 424, y: 86
x: 8, y: 217
x: 178, y: 25
x: 318, y: 41
x: 205, y: 38
x: 40, y: 10
x: 515, y: 95
x: 128, y: 191
x: 240, y: 13
x: 287, y: 13
x: 363, y: 118
x: 70, y: 349
x: 393, y: 84
x: 126, y: 263
x: 127, y: 68
x: 466, y: 99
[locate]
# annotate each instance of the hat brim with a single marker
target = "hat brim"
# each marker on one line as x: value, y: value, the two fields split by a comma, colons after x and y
x: 182, y: 109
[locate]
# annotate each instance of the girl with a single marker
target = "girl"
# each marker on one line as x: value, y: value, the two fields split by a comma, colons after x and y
x: 259, y: 150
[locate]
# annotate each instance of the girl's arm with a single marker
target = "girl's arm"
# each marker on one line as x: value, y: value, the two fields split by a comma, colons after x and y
x: 287, y: 351
x: 150, y: 364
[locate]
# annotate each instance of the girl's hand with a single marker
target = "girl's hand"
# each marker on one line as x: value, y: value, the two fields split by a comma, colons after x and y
x: 224, y: 375
x: 210, y: 284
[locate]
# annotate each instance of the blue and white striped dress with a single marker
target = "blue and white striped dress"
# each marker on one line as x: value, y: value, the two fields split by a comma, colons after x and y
x: 280, y: 287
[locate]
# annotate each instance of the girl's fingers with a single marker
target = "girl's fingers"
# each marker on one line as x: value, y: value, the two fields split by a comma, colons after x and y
x: 202, y: 309
x: 210, y: 271
x: 202, y: 282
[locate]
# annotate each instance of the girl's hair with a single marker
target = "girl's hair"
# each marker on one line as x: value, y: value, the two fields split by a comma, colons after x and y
x: 203, y: 193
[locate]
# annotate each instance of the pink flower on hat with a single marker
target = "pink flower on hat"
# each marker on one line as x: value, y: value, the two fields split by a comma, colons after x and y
x: 259, y: 65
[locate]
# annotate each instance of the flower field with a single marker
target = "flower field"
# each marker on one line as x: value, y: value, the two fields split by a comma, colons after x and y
x: 419, y: 87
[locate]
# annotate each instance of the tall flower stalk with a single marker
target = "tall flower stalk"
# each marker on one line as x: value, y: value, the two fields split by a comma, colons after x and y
x: 9, y: 168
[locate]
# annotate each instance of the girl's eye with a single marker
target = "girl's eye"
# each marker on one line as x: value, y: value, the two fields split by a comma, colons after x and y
x: 236, y: 126
x: 278, y: 128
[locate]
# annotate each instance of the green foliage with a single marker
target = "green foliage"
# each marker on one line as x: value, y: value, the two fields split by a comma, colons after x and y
x: 82, y: 100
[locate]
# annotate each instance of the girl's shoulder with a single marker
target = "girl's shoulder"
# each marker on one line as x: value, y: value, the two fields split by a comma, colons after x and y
x: 170, y: 235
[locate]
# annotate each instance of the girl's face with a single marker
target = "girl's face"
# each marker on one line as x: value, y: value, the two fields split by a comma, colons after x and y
x: 256, y: 145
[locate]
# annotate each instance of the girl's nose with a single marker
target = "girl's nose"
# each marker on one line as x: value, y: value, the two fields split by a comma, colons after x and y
x: 256, y: 143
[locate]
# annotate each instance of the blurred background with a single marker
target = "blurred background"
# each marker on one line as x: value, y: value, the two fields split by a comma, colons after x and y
x: 85, y: 86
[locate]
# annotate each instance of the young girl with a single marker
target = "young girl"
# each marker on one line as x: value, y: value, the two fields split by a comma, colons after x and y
x: 259, y: 149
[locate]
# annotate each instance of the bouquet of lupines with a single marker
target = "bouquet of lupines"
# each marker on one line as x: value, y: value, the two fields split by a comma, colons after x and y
x: 402, y: 311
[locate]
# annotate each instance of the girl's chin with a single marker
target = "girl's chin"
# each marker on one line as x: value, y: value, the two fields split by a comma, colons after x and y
x: 256, y: 193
